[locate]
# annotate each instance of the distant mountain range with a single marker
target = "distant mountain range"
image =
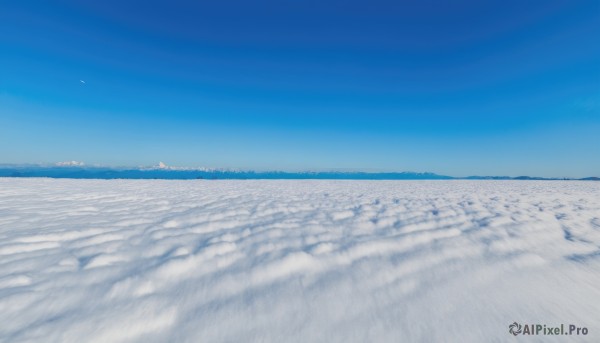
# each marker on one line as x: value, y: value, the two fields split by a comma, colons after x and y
x: 76, y: 170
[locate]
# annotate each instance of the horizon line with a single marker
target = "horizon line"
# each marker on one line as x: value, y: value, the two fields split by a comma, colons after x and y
x: 286, y: 174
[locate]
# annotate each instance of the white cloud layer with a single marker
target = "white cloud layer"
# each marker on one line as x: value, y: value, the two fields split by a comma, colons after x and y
x: 273, y: 261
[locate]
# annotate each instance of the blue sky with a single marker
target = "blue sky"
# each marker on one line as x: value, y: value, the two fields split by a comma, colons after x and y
x: 453, y: 87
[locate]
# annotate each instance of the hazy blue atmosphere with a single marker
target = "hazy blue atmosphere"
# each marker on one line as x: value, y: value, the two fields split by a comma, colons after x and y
x: 456, y: 88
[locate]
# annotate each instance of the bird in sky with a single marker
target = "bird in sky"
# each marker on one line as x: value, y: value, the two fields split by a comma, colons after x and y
x: 82, y: 81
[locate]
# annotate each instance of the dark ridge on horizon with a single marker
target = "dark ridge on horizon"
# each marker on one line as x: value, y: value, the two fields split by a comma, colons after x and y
x: 168, y: 173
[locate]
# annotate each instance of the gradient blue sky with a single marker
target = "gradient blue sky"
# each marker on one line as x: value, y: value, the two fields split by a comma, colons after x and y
x: 453, y: 87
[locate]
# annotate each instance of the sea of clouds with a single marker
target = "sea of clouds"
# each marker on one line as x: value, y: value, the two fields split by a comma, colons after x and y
x: 295, y: 261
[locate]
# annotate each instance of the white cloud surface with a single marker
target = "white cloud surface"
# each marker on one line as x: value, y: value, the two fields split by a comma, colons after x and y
x: 272, y: 261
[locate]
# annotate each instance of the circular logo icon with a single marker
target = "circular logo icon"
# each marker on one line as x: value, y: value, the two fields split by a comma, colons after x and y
x: 514, y: 328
